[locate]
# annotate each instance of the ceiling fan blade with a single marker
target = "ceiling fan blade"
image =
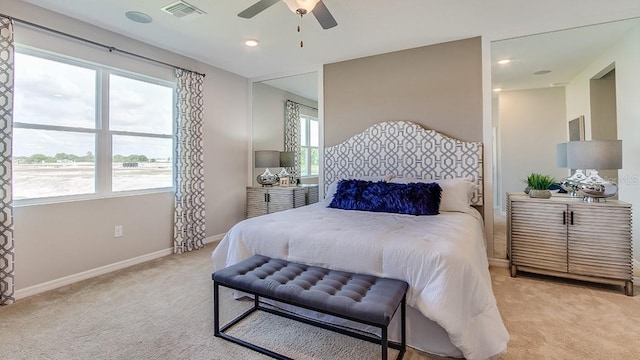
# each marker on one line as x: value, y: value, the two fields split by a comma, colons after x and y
x: 256, y: 8
x: 323, y: 16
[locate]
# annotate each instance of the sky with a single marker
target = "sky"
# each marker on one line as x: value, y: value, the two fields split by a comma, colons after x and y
x: 52, y: 93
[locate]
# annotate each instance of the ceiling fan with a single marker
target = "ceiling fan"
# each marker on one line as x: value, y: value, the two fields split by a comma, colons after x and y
x: 300, y: 7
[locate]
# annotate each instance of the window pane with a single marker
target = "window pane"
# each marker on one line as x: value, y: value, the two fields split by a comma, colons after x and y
x: 141, y: 163
x: 303, y: 132
x: 52, y: 163
x: 304, y: 168
x: 48, y: 92
x: 139, y: 106
x: 315, y: 167
x: 314, y: 135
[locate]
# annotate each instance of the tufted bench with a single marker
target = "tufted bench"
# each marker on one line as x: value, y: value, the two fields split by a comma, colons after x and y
x: 362, y: 298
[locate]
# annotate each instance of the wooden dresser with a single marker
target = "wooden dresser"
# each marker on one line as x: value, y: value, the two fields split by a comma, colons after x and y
x: 568, y: 237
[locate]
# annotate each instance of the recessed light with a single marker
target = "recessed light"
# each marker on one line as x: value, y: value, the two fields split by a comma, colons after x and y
x: 541, y: 72
x: 251, y: 42
x: 497, y: 89
x: 138, y: 17
x: 504, y: 61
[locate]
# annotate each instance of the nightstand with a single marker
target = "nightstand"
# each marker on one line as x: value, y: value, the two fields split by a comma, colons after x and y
x: 570, y: 238
x: 267, y: 200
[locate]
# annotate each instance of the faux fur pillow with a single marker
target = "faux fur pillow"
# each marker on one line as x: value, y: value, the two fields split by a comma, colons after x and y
x: 412, y: 199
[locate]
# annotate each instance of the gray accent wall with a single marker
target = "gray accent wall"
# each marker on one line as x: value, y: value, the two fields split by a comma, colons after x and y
x: 437, y: 86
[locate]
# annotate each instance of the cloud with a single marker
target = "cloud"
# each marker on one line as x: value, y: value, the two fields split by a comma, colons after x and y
x: 52, y: 93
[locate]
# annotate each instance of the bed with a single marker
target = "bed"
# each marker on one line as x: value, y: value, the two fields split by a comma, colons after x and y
x: 451, y: 308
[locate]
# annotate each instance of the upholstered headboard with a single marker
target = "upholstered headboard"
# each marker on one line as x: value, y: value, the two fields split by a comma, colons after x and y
x: 405, y: 149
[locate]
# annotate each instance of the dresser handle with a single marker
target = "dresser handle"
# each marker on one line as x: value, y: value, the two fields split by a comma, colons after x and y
x: 572, y: 218
x: 564, y: 218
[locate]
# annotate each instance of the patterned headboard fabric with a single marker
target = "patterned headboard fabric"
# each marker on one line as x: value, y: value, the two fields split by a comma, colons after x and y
x: 405, y: 149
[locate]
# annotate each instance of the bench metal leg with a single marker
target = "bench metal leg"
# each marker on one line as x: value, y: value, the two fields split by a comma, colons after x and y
x: 216, y: 309
x: 403, y: 325
x: 384, y: 341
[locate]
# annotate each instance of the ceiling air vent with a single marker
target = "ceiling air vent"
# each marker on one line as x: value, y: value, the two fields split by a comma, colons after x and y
x: 183, y: 10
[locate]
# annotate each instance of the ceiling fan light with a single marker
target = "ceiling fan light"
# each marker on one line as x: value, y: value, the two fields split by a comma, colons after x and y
x: 306, y: 5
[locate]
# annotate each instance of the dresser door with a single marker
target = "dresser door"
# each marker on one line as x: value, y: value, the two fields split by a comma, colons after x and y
x: 281, y: 198
x: 256, y: 201
x: 539, y: 234
x: 600, y: 241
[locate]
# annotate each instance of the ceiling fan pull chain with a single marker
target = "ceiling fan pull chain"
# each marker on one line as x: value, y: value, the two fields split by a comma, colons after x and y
x: 300, y: 30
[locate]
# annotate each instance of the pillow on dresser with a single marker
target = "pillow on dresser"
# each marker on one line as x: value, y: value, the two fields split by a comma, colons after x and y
x: 380, y: 196
x: 456, y: 193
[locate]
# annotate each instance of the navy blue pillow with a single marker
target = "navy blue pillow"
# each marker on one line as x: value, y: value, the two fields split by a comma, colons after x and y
x: 412, y: 198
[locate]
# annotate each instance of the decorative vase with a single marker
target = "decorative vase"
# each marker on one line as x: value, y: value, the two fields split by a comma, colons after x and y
x: 540, y: 194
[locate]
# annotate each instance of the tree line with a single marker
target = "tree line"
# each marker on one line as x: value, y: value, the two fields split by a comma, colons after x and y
x: 89, y: 157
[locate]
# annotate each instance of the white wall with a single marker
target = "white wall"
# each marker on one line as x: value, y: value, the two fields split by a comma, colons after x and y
x: 531, y: 122
x: 59, y: 240
x: 626, y: 56
x: 268, y: 118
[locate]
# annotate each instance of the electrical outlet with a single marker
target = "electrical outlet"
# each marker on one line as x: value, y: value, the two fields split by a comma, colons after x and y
x: 118, y: 231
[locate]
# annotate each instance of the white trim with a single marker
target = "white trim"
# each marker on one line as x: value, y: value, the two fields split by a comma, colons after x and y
x: 636, y: 270
x: 214, y: 238
x: 500, y: 263
x: 67, y: 280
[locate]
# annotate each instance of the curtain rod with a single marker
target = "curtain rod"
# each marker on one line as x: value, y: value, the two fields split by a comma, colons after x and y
x: 301, y: 104
x: 110, y: 48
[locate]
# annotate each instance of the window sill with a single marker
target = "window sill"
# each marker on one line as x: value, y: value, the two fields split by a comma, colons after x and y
x: 88, y: 197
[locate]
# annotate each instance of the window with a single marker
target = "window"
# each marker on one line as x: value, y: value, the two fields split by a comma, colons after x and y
x: 83, y: 129
x: 309, y: 151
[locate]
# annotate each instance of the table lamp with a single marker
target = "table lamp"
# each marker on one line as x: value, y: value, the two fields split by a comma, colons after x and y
x: 595, y: 155
x: 266, y: 159
x: 569, y: 184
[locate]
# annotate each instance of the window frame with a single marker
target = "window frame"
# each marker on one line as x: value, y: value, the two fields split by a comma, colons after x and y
x: 103, y: 174
x: 308, y: 119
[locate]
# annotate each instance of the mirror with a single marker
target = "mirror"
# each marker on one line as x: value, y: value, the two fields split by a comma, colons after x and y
x: 269, y: 107
x: 551, y: 79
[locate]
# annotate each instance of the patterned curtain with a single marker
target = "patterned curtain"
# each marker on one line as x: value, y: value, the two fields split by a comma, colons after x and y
x: 6, y: 196
x: 292, y: 135
x: 189, y: 218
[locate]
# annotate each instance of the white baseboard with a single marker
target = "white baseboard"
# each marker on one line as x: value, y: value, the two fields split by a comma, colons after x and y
x: 67, y: 280
x: 502, y: 263
x: 214, y: 238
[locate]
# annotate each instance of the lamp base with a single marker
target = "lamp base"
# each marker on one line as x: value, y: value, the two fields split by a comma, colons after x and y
x: 570, y: 184
x: 267, y: 178
x: 596, y: 189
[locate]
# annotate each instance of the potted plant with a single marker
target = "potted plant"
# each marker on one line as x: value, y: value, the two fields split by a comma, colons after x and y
x: 538, y: 185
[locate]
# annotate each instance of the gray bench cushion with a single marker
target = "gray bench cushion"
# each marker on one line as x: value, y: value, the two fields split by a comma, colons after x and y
x: 360, y: 297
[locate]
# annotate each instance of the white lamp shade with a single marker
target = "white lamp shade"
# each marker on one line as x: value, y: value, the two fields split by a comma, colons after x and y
x: 594, y: 154
x: 561, y: 155
x: 307, y: 5
x: 267, y: 158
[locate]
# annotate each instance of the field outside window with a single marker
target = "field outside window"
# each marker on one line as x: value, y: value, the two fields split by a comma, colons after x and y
x: 64, y: 136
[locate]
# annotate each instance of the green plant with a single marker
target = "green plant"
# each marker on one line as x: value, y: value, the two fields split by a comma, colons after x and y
x: 539, y: 182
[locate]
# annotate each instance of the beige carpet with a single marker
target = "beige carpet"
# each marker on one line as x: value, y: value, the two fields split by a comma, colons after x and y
x: 163, y: 310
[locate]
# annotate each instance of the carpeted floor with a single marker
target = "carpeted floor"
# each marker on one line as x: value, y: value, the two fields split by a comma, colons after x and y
x: 163, y: 310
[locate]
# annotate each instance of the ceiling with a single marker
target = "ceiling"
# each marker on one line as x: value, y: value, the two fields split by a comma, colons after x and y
x: 365, y: 27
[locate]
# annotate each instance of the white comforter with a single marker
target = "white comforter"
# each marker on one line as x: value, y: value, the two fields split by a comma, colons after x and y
x: 443, y: 258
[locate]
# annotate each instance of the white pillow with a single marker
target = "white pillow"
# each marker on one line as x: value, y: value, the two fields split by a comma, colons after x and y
x: 456, y: 193
x: 331, y: 190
